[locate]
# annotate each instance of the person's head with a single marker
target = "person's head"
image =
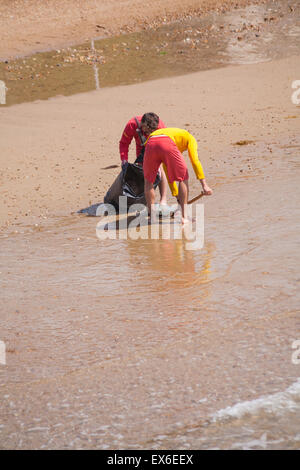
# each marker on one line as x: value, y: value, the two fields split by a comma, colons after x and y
x: 149, y: 122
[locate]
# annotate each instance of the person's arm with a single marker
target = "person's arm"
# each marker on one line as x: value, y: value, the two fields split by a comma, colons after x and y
x: 125, y: 141
x: 193, y: 154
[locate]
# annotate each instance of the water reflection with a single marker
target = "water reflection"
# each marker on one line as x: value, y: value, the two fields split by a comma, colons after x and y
x: 172, y: 266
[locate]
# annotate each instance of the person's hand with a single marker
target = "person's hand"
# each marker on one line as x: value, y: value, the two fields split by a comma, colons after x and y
x: 207, y: 191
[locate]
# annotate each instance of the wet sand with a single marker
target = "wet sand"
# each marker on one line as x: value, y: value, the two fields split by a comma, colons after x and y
x: 135, y: 344
x: 27, y: 26
x: 143, y: 343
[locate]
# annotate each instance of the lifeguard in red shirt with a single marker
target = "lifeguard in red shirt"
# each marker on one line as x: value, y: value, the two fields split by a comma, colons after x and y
x: 139, y: 128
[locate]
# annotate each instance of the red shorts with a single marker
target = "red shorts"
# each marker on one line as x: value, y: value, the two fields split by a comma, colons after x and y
x: 162, y: 149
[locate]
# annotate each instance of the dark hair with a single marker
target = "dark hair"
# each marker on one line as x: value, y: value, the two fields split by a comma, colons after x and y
x: 152, y: 120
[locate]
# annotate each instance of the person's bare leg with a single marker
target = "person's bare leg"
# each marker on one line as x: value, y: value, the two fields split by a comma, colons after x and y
x: 149, y: 195
x: 163, y: 187
x: 183, y: 194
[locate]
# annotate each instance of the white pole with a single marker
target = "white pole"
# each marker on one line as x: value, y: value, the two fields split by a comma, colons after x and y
x: 96, y: 73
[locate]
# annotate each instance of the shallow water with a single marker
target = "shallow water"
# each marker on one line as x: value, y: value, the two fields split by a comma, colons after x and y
x: 250, y: 35
x: 144, y: 344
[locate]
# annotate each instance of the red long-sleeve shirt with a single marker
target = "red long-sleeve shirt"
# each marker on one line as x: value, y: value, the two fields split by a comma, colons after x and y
x: 129, y: 133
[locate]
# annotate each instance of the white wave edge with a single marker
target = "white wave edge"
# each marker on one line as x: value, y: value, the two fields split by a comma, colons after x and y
x: 276, y: 403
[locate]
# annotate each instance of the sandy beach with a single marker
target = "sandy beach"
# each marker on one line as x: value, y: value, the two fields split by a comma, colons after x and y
x: 140, y: 343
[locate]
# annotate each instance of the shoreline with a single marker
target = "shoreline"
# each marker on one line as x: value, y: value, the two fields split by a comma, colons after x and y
x: 64, y: 24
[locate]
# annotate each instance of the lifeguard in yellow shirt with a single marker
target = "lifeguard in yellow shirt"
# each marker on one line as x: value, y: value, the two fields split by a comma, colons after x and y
x: 165, y: 146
